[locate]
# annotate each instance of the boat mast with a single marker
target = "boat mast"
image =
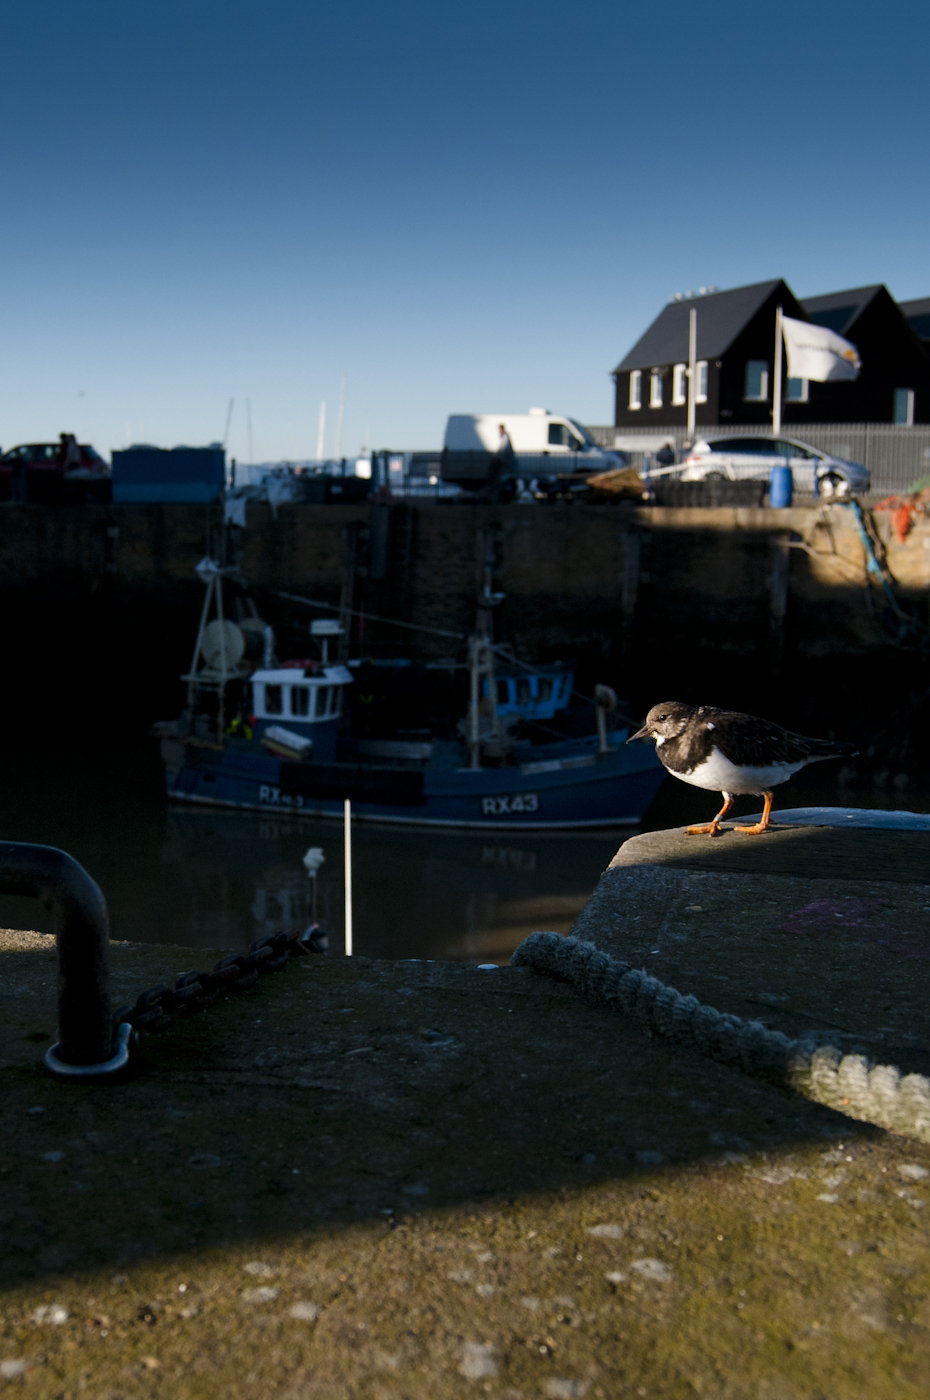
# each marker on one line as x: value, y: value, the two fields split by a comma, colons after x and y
x: 211, y: 574
x: 221, y: 698
x: 481, y: 661
x: 205, y: 571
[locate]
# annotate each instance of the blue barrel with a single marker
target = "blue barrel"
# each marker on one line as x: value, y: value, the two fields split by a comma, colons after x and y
x: 782, y: 487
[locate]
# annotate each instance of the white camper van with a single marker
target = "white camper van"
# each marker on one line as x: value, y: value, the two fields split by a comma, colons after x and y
x: 533, y: 434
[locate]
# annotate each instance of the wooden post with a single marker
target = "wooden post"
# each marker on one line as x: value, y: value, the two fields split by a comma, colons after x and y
x: 781, y: 562
x: 347, y: 590
x: 629, y: 589
x: 379, y: 542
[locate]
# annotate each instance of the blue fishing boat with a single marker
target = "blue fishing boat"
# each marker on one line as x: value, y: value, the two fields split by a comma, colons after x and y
x: 269, y: 735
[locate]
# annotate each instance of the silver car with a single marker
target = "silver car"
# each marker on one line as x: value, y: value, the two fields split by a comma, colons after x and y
x: 752, y: 459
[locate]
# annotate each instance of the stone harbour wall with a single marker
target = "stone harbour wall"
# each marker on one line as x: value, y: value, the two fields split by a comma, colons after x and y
x: 731, y: 606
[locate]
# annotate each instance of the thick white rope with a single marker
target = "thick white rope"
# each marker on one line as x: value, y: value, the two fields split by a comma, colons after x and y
x: 848, y: 1083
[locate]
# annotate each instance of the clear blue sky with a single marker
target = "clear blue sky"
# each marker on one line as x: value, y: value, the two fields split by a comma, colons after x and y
x: 469, y: 207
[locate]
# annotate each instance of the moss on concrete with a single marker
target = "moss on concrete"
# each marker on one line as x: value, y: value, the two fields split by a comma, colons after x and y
x: 381, y: 1180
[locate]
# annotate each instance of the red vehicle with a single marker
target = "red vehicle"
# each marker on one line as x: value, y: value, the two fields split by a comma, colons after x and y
x: 47, y: 472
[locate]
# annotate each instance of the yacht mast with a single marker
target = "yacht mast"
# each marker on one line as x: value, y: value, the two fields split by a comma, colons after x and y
x: 481, y: 660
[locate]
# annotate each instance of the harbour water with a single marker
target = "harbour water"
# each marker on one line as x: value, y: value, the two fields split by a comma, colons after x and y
x: 210, y: 878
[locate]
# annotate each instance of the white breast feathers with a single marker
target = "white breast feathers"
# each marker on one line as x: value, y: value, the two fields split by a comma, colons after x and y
x: 718, y: 774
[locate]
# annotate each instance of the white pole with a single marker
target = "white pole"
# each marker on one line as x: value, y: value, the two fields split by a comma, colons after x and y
x: 776, y: 390
x: 348, y: 853
x: 692, y: 358
x: 342, y: 412
x: 321, y: 432
x: 228, y: 422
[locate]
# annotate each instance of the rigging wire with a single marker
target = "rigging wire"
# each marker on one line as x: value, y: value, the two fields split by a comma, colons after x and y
x: 370, y: 617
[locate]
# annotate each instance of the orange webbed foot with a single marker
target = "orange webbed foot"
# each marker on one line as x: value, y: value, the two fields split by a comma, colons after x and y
x: 713, y: 828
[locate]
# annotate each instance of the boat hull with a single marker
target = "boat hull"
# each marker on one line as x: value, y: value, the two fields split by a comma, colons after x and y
x: 584, y: 789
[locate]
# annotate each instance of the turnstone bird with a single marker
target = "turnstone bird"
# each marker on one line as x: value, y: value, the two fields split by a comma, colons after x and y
x: 731, y: 754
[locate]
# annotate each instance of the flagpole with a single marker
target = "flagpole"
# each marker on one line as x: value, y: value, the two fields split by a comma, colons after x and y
x: 776, y: 389
x: 692, y: 353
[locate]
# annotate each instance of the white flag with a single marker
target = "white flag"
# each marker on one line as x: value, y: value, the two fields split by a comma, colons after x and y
x: 818, y: 354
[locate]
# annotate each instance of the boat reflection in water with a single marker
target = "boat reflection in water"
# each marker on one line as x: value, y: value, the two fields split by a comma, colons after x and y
x: 417, y: 894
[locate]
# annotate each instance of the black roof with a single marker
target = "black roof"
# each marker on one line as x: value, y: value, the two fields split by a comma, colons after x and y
x: 918, y: 313
x: 721, y: 316
x: 838, y: 310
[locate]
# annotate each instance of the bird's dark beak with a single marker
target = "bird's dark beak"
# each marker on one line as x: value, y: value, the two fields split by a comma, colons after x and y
x: 640, y: 734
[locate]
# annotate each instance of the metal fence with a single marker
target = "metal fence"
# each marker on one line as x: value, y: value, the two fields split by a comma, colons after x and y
x: 896, y: 456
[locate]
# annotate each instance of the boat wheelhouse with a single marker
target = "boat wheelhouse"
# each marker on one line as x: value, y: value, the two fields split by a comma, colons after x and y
x: 306, y: 697
x: 531, y: 692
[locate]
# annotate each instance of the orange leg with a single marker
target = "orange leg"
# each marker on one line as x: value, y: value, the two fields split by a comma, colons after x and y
x: 759, y: 827
x: 713, y: 828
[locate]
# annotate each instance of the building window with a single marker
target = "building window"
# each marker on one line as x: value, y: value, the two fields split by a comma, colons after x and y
x: 655, y: 389
x: 636, y: 388
x: 300, y: 699
x: 700, y: 370
x: 680, y: 385
x: 904, y: 407
x: 757, y: 381
x: 796, y: 391
x: 274, y: 702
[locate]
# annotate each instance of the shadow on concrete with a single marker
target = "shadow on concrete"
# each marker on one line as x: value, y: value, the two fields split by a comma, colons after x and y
x: 340, y: 1091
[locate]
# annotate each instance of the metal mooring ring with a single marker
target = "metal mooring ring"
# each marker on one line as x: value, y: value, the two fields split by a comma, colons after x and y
x: 90, y: 1074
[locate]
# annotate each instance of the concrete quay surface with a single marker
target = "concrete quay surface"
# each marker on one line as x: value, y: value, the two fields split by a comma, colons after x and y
x: 803, y: 928
x: 405, y: 1179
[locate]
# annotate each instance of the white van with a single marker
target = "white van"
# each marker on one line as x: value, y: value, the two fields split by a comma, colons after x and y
x: 551, y: 454
x: 533, y: 434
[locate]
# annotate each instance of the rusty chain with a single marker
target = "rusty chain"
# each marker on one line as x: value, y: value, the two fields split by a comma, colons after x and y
x: 155, y: 1009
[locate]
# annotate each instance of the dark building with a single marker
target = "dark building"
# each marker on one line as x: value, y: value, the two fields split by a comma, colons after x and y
x: 894, y: 381
x: 918, y: 313
x: 735, y: 357
x: 735, y: 348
